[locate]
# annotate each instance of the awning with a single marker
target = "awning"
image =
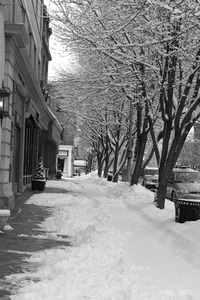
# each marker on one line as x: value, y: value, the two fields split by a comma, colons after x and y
x: 62, y: 153
x: 79, y: 163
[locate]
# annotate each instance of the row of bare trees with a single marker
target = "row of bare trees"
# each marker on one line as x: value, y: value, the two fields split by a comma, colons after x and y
x: 136, y: 87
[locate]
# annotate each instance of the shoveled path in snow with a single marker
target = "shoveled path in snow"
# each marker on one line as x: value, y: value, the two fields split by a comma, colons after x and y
x: 122, y: 246
x: 19, y: 239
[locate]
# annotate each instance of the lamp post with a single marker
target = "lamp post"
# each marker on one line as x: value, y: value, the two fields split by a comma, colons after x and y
x: 4, y: 102
x: 4, y: 106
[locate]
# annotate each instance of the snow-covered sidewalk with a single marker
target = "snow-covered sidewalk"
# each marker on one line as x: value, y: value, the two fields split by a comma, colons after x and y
x: 122, y: 246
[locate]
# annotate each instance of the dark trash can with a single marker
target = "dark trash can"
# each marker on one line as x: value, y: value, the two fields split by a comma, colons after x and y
x: 186, y: 210
x: 110, y: 176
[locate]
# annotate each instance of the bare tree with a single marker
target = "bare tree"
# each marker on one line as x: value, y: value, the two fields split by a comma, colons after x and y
x: 94, y: 33
x: 149, y: 49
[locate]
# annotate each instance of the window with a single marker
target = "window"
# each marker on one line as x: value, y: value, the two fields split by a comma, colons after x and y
x: 187, y: 177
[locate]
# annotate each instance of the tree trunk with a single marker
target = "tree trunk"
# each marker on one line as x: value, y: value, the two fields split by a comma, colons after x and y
x: 140, y: 146
x: 116, y: 156
x: 107, y: 154
x: 139, y: 159
x: 160, y: 194
x: 106, y: 162
x: 130, y: 143
x: 100, y: 165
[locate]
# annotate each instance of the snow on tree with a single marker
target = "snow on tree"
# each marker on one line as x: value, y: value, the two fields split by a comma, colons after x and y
x: 149, y: 50
x: 96, y: 31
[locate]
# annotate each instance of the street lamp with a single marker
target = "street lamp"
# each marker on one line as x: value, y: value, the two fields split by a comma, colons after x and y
x: 4, y: 102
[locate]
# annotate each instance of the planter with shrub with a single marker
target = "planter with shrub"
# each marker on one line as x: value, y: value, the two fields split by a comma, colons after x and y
x: 38, y: 180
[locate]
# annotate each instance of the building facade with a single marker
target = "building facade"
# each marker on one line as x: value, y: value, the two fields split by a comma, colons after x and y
x: 30, y: 130
x: 67, y: 120
x: 74, y: 151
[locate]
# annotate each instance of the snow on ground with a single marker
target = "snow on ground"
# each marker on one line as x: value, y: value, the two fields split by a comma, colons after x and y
x: 122, y: 246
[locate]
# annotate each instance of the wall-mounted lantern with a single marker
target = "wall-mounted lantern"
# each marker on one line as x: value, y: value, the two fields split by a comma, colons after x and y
x: 4, y: 101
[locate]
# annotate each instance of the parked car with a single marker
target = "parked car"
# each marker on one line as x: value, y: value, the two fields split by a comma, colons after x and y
x: 150, y: 178
x: 184, y: 183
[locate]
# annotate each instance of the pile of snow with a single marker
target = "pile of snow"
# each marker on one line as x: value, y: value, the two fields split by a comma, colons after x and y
x: 122, y: 246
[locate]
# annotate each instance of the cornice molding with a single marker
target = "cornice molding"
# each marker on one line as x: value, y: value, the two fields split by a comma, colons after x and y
x: 18, y: 32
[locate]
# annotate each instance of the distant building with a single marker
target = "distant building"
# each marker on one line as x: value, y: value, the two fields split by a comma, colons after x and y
x: 72, y: 142
x: 68, y: 121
